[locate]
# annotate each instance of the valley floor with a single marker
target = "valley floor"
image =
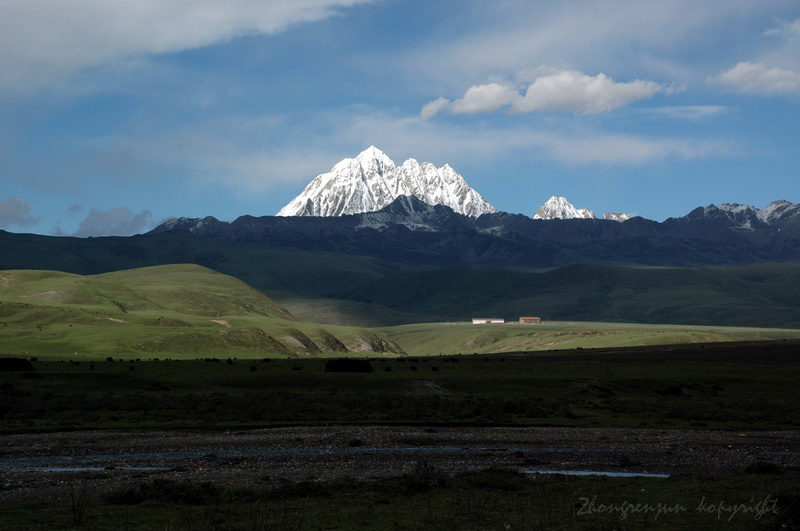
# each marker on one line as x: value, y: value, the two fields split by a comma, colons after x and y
x: 47, y: 467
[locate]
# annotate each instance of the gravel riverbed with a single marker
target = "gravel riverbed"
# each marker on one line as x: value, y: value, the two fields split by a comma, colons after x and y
x: 47, y: 466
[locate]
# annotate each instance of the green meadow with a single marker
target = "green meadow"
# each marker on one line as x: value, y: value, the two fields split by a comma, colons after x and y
x: 189, y: 312
x: 178, y: 311
x: 459, y: 337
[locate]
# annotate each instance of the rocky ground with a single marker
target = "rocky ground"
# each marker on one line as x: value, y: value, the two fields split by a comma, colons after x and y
x: 48, y: 466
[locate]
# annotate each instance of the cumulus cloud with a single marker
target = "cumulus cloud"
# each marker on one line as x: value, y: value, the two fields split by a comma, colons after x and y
x: 485, y: 98
x: 575, y: 91
x: 119, y: 221
x: 757, y: 78
x: 566, y: 91
x: 15, y: 212
x: 43, y: 39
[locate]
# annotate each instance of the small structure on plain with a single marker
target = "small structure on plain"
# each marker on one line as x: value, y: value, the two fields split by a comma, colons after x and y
x: 488, y: 320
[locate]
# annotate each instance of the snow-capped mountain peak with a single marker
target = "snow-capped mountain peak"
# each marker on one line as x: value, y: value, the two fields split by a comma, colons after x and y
x: 560, y: 208
x: 371, y: 181
x: 617, y: 216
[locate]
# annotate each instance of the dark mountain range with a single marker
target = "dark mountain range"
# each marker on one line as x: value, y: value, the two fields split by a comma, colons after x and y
x: 412, y: 262
x: 412, y: 232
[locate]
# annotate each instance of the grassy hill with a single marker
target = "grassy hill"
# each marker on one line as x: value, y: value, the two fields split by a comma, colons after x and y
x: 263, y: 267
x: 178, y: 311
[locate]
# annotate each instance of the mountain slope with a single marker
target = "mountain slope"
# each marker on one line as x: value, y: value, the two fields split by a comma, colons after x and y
x: 757, y: 295
x: 371, y: 181
x: 163, y: 311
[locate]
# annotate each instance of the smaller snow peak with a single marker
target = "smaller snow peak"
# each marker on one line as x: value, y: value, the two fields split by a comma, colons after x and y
x: 736, y: 208
x: 171, y: 223
x: 617, y: 216
x: 559, y: 208
x: 778, y: 210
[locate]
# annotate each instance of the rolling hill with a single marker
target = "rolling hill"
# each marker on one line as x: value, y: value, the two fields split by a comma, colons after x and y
x: 184, y: 311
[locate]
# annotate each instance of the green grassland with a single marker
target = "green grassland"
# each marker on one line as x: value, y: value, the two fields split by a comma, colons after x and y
x: 187, y: 312
x: 451, y: 338
x: 178, y: 311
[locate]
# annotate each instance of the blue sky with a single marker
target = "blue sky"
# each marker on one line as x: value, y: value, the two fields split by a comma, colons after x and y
x: 116, y: 115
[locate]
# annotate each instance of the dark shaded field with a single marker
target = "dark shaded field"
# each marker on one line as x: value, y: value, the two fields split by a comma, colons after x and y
x: 717, y: 386
x: 418, y: 443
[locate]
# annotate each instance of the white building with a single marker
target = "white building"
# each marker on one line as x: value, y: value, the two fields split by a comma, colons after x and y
x: 488, y: 320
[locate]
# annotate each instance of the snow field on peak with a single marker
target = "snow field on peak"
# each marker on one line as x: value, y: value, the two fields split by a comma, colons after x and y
x: 371, y: 181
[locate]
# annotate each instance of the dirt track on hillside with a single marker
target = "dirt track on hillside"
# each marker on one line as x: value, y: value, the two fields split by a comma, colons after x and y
x: 47, y: 466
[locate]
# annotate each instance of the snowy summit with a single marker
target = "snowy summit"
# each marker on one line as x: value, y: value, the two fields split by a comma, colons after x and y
x: 371, y: 181
x: 560, y: 208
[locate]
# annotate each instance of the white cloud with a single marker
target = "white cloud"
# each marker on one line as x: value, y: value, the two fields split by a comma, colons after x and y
x: 485, y: 98
x: 432, y: 108
x: 41, y: 40
x: 119, y: 221
x: 787, y: 30
x: 574, y: 91
x: 566, y: 91
x: 757, y: 78
x: 15, y: 211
